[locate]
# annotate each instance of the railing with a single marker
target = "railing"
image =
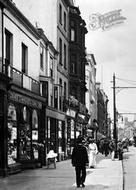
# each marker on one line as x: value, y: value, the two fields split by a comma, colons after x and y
x: 25, y: 81
x: 21, y: 79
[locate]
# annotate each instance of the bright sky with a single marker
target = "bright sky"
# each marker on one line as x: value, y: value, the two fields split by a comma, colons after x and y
x: 114, y: 50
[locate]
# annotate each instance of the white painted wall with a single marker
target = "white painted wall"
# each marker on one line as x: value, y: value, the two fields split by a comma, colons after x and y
x: 21, y: 34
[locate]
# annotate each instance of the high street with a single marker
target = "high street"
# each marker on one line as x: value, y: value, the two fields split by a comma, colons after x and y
x: 107, y: 175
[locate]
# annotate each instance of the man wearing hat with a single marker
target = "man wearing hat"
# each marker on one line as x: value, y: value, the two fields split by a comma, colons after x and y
x: 79, y: 161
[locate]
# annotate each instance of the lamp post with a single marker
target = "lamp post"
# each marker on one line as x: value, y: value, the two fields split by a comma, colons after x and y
x: 114, y: 112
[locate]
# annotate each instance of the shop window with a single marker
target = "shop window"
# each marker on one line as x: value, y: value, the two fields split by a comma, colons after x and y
x: 35, y: 144
x: 12, y: 135
x: 25, y: 136
x: 60, y: 135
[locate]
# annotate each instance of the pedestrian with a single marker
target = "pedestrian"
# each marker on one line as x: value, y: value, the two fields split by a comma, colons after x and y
x: 120, y: 150
x: 112, y: 149
x: 79, y: 159
x: 93, y: 150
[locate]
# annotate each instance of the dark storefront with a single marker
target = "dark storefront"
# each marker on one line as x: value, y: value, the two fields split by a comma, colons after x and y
x: 21, y: 132
x: 56, y: 130
x: 24, y: 126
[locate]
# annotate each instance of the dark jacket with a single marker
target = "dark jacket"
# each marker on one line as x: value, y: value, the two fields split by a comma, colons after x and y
x: 79, y: 156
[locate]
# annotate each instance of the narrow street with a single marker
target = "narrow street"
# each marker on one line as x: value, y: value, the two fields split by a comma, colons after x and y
x: 129, y: 167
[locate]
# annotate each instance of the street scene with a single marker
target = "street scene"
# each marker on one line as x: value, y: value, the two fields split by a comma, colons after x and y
x: 67, y: 94
x: 108, y: 174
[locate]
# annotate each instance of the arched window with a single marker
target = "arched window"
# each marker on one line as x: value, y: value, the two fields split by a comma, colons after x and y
x: 35, y: 143
x: 12, y: 134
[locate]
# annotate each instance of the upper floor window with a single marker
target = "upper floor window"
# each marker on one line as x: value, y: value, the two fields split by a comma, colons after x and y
x: 8, y: 46
x: 65, y: 90
x: 73, y: 66
x: 60, y: 13
x: 60, y: 83
x: 24, y: 58
x: 51, y: 67
x: 65, y: 56
x: 73, y: 32
x: 65, y: 20
x: 41, y: 57
x: 60, y: 51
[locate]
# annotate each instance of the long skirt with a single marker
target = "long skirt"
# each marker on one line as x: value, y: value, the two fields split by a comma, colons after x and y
x: 92, y: 159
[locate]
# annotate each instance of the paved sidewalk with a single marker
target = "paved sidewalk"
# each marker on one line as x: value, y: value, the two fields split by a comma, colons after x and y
x: 107, y: 175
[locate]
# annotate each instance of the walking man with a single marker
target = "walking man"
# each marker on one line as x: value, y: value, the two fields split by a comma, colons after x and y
x: 79, y: 161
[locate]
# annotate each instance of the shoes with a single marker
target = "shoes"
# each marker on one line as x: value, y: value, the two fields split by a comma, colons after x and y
x: 78, y: 186
x: 83, y: 185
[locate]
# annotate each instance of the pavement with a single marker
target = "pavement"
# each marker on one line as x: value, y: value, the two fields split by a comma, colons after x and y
x: 129, y: 165
x: 108, y: 175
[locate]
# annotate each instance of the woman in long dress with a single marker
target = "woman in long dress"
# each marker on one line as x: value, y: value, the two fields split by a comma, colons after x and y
x: 93, y: 150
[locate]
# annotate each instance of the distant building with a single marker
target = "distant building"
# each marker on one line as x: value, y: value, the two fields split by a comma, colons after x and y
x: 102, y: 111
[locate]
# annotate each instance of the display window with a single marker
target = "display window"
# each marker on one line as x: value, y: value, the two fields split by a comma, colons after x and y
x: 35, y: 144
x: 12, y: 135
x: 25, y: 136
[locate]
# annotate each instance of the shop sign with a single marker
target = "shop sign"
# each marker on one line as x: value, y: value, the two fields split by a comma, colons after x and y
x: 71, y: 113
x: 24, y: 100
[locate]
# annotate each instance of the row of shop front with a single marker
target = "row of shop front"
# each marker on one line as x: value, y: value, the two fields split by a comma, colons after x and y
x: 29, y: 129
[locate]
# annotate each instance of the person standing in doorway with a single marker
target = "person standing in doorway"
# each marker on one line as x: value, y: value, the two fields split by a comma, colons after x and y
x: 79, y: 159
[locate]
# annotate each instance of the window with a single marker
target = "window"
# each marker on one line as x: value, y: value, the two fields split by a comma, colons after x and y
x: 56, y: 97
x: 60, y: 14
x: 72, y: 34
x: 45, y: 89
x: 41, y: 57
x: 25, y: 135
x: 12, y: 135
x: 73, y: 66
x: 65, y: 55
x: 51, y: 67
x: 60, y: 94
x: 35, y: 134
x: 60, y: 51
x: 65, y: 21
x: 8, y: 46
x: 51, y: 95
x: 73, y: 31
x: 65, y: 90
x: 24, y: 58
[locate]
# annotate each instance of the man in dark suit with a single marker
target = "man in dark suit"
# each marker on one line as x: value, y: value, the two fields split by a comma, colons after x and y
x: 79, y: 161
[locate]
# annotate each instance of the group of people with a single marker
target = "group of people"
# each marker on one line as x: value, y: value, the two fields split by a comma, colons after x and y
x: 84, y: 153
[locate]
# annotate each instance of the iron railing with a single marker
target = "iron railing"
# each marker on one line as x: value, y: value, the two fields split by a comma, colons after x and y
x: 21, y: 79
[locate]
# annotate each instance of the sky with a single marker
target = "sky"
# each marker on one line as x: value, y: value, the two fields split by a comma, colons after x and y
x: 114, y: 51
